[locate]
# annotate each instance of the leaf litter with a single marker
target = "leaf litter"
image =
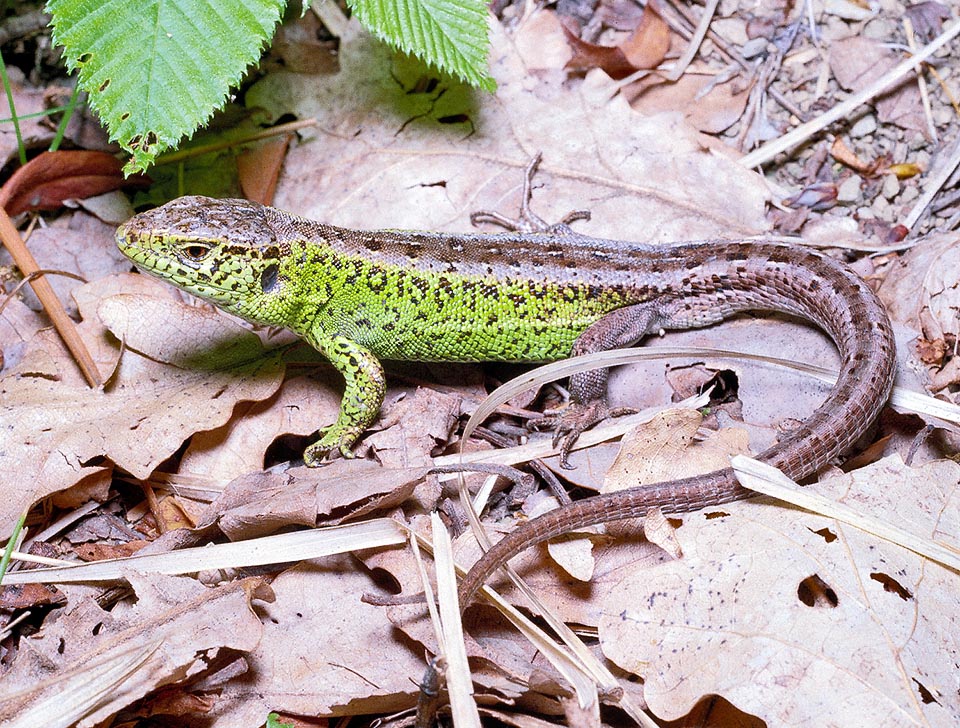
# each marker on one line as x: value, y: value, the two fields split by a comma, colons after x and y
x: 198, y: 403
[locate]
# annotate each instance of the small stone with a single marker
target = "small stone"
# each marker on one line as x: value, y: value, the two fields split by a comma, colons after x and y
x: 881, y: 208
x: 753, y: 48
x: 878, y: 29
x: 849, y: 190
x: 734, y: 29
x: 847, y: 10
x: 890, y: 187
x: 865, y: 125
x: 942, y: 115
x: 909, y: 194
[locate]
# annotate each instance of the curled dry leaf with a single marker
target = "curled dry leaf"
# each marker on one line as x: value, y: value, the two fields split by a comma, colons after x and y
x: 48, y: 179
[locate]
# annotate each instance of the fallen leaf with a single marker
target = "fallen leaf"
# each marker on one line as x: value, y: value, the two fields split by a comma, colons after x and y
x: 48, y: 179
x: 647, y: 45
x: 644, y: 178
x: 731, y: 619
x: 858, y: 61
x: 171, y: 633
x: 149, y: 410
x: 319, y: 637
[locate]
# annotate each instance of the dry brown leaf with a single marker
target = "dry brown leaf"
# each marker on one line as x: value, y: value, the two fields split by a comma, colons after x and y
x: 323, y: 652
x: 57, y: 248
x: 711, y: 110
x: 50, y: 178
x: 730, y: 617
x: 258, y: 169
x: 302, y: 405
x: 60, y: 426
x: 647, y: 45
x: 857, y: 61
x: 176, y: 624
x: 664, y: 449
x: 413, y: 427
x: 921, y: 288
x: 189, y: 337
x: 260, y: 503
x: 30, y: 132
x: 644, y: 178
x: 587, y: 56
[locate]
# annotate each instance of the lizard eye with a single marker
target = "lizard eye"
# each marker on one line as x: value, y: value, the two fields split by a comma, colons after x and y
x: 195, y: 251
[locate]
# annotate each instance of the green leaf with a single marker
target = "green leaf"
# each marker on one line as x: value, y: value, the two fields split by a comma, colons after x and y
x: 155, y: 70
x: 450, y: 34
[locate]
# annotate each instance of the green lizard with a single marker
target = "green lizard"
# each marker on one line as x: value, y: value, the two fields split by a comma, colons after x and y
x: 362, y: 296
x: 359, y: 296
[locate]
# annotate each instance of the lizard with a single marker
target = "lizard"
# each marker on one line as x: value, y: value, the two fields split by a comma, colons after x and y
x: 535, y: 293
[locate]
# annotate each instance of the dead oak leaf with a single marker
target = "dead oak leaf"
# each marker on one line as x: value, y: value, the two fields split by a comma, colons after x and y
x: 735, y: 617
x: 58, y: 429
x: 172, y: 631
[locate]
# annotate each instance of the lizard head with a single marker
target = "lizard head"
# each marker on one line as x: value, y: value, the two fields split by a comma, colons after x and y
x: 223, y: 251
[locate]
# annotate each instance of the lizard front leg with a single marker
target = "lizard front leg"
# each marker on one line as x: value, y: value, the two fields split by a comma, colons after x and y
x: 362, y: 397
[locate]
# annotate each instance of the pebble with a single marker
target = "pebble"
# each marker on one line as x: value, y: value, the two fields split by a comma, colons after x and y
x: 847, y: 10
x: 753, y: 48
x: 881, y: 208
x: 849, y: 190
x: 890, y: 187
x: 909, y: 194
x: 865, y: 125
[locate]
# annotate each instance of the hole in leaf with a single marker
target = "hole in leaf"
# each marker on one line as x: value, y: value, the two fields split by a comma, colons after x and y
x: 815, y: 592
x: 891, y: 585
x: 827, y: 535
x: 925, y: 695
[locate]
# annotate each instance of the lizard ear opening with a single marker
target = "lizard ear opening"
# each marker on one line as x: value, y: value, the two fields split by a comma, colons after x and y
x: 270, y: 278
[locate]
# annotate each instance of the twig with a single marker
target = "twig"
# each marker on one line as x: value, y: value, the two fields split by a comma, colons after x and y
x: 64, y: 325
x: 769, y: 151
x: 938, y: 179
x: 921, y: 81
x: 694, y: 45
x: 207, y: 148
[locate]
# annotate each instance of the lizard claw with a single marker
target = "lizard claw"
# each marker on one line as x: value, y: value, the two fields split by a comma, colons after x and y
x: 569, y: 423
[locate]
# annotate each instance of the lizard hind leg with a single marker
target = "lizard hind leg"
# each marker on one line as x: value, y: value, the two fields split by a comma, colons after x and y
x: 529, y: 221
x: 588, y: 390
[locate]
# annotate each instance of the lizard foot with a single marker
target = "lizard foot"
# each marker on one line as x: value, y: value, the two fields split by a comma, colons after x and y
x: 334, y: 441
x: 568, y: 424
x: 529, y: 221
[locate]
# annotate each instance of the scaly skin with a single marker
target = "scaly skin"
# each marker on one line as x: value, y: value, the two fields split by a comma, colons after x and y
x: 361, y: 296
